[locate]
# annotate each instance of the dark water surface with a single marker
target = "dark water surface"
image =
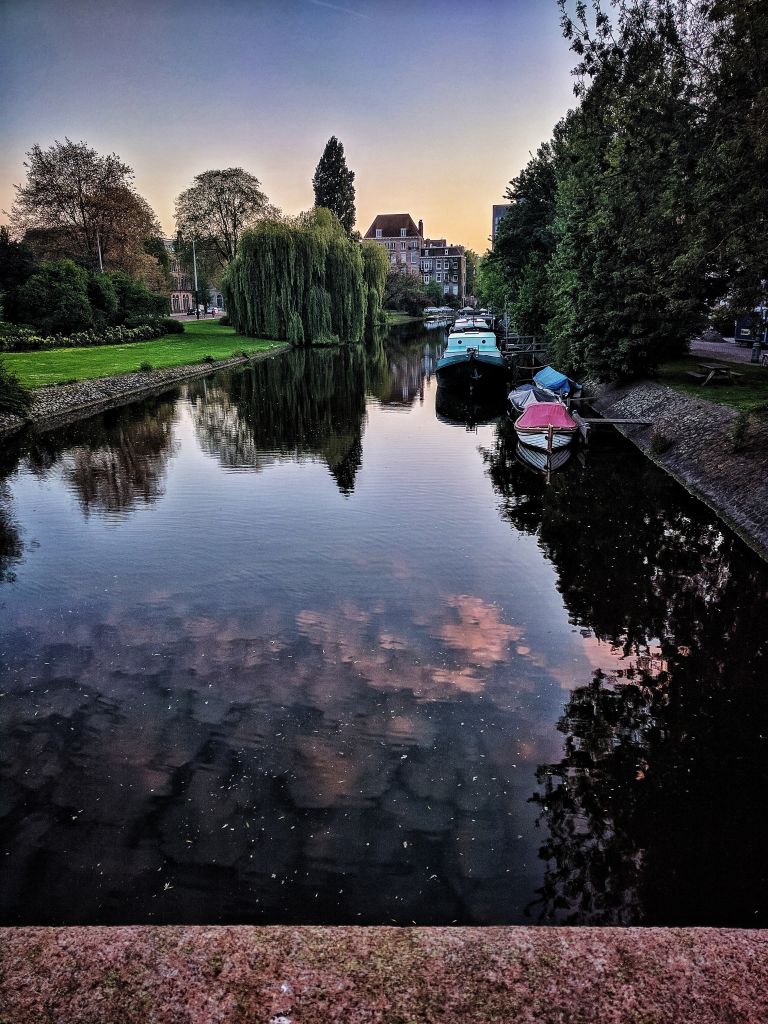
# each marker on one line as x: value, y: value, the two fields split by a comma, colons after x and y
x: 293, y: 644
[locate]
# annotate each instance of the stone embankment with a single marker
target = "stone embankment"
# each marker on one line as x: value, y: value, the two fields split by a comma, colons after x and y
x: 281, y: 975
x: 701, y: 451
x: 60, y: 403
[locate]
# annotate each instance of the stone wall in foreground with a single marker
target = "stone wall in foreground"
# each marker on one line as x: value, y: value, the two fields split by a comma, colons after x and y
x: 701, y: 455
x: 281, y: 975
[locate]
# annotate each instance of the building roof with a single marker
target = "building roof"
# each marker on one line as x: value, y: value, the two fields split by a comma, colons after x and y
x: 390, y: 225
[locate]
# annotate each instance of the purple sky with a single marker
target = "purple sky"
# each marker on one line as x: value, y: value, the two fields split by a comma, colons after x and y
x: 437, y: 104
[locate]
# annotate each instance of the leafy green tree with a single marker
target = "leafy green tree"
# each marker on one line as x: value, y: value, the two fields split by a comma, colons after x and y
x: 405, y: 293
x: 471, y: 258
x: 103, y: 298
x: 434, y: 292
x: 375, y: 270
x: 302, y: 271
x: 17, y: 262
x: 333, y: 183
x: 55, y: 299
x: 76, y: 203
x: 135, y: 302
x: 219, y: 206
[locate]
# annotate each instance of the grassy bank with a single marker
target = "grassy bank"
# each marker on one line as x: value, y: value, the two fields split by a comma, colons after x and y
x: 751, y: 391
x: 201, y: 338
x: 401, y: 318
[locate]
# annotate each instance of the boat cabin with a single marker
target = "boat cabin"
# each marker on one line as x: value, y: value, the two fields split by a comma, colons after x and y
x: 481, y: 341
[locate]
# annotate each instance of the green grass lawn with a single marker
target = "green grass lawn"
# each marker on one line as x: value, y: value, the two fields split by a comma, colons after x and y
x: 400, y: 318
x: 751, y: 392
x: 201, y: 338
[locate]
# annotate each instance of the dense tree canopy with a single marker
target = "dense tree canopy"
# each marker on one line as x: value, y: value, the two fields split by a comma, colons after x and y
x: 333, y: 183
x: 649, y: 203
x: 303, y: 280
x: 219, y: 206
x: 76, y: 202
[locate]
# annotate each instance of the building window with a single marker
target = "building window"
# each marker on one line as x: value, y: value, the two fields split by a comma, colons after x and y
x: 455, y: 277
x: 378, y: 232
x: 403, y: 257
x: 393, y: 258
x: 414, y: 257
x: 439, y: 278
x: 454, y: 264
x: 402, y: 245
x: 426, y: 279
x: 403, y: 232
x: 446, y: 252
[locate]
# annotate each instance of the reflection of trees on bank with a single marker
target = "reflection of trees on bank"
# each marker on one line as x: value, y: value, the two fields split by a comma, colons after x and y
x: 114, y: 461
x: 309, y: 402
x: 121, y: 460
x: 407, y: 361
x: 11, y: 547
x: 111, y: 462
x: 658, y: 797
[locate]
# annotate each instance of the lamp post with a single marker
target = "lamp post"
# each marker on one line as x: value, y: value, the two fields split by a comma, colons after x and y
x: 194, y: 266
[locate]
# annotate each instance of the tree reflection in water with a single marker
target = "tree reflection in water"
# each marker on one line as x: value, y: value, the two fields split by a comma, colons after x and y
x: 307, y: 403
x: 653, y: 802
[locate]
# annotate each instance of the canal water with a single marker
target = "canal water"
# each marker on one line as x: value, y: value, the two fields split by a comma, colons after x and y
x: 306, y: 642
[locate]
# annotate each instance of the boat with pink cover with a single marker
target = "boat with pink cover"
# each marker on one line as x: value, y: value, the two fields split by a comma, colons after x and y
x: 546, y: 425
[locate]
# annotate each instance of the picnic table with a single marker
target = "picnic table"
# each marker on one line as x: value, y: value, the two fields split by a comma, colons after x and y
x: 713, y: 372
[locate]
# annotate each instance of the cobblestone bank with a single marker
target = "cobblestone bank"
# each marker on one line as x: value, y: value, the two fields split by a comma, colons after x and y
x: 62, y: 402
x: 701, y: 456
x: 280, y: 975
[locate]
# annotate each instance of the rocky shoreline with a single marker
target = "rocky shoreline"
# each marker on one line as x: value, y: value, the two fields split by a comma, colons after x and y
x: 700, y: 452
x: 62, y: 403
x: 292, y: 975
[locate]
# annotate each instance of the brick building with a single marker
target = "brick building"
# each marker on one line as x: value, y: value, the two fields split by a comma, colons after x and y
x: 431, y: 259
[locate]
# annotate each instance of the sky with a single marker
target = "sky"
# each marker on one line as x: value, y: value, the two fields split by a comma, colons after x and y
x: 437, y: 104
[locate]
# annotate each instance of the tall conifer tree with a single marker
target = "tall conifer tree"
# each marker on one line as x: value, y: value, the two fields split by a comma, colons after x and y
x: 334, y: 184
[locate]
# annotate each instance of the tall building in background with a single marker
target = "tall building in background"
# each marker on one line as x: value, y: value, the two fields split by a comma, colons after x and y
x: 445, y: 264
x: 499, y: 212
x: 401, y: 237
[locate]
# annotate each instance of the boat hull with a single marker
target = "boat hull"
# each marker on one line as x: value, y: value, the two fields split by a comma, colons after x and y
x: 471, y: 370
x: 546, y: 440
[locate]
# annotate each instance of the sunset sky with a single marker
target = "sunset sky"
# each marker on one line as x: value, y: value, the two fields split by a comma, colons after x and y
x: 437, y: 104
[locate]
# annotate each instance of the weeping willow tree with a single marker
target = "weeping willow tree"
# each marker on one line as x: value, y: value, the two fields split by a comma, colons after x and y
x: 375, y: 269
x: 303, y: 280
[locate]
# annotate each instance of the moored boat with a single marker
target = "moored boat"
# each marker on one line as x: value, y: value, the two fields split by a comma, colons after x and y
x: 541, y: 461
x: 546, y: 425
x: 556, y: 382
x: 526, y: 394
x: 471, y: 358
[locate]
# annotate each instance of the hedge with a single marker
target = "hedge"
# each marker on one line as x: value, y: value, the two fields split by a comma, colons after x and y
x: 14, y: 338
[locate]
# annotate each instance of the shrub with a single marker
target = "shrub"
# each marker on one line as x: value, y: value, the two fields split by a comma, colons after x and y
x: 207, y: 359
x: 660, y: 443
x: 103, y: 298
x: 172, y: 326
x: 145, y: 367
x: 224, y: 320
x: 136, y: 303
x: 14, y: 397
x: 15, y: 338
x: 55, y: 298
x: 739, y: 430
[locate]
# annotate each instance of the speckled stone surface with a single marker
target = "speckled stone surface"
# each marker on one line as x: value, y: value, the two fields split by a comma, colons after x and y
x: 179, y: 975
x: 701, y: 453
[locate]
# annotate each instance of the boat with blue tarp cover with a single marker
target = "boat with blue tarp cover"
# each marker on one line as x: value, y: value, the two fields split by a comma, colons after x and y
x: 552, y: 380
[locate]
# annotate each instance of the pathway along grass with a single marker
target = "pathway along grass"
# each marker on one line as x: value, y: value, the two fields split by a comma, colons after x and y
x: 201, y: 338
x: 749, y: 394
